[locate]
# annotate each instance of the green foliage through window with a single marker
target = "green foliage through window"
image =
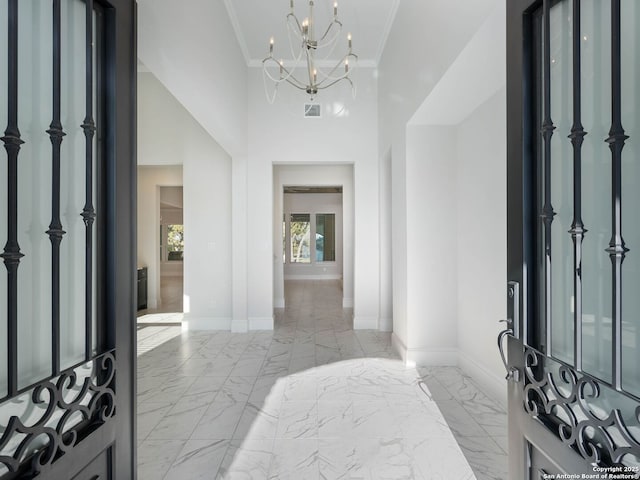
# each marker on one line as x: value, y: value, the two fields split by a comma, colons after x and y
x: 175, y: 242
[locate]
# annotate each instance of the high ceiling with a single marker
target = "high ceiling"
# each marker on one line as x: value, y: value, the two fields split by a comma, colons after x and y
x: 256, y: 21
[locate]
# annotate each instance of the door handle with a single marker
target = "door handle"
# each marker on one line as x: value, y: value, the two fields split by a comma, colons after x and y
x: 512, y: 372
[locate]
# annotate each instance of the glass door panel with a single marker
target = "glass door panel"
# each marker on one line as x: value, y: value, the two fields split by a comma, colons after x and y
x: 561, y: 192
x: 35, y: 63
x: 630, y: 29
x: 595, y: 27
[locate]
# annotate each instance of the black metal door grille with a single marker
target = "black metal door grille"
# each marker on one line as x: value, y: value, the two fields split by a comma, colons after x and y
x: 42, y: 421
x: 590, y: 410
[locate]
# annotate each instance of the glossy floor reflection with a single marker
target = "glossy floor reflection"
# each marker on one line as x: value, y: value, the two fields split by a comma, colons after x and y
x: 311, y: 400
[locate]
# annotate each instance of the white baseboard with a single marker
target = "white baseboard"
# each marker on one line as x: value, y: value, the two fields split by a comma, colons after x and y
x: 205, y: 323
x: 425, y: 357
x: 435, y: 357
x: 278, y: 302
x: 365, y: 323
x: 260, y: 323
x: 312, y: 277
x: 347, y: 302
x: 399, y: 346
x: 239, y: 325
x: 386, y: 325
x: 493, y: 385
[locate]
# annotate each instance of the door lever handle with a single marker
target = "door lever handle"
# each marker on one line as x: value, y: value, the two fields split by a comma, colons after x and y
x: 512, y: 372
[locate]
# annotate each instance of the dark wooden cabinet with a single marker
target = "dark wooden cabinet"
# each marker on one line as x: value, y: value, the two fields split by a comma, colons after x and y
x: 142, y: 288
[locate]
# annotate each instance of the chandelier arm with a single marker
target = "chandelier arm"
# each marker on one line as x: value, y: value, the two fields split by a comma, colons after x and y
x: 266, y: 72
x: 270, y: 98
x: 299, y: 87
x: 289, y: 73
x: 329, y: 76
x: 332, y: 81
x: 339, y: 80
x: 332, y: 44
x: 329, y: 28
x: 291, y: 79
x: 331, y: 50
x: 299, y: 31
x: 302, y: 45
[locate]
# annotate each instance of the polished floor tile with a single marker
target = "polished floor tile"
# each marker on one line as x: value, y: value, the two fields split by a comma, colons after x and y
x: 312, y: 399
x: 171, y: 293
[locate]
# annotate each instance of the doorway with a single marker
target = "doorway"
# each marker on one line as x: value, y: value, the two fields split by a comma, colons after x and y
x: 313, y: 227
x: 172, y: 236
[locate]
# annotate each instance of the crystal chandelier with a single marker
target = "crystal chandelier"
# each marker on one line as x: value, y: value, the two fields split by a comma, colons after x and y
x: 305, y: 47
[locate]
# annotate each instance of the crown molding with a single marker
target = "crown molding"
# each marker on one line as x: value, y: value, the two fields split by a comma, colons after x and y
x: 233, y: 18
x: 387, y: 30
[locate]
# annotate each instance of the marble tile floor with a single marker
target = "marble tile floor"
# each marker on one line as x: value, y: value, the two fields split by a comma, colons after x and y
x: 311, y: 400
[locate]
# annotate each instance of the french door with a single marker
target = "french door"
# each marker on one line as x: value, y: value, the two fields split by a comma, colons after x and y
x: 67, y: 186
x: 573, y: 338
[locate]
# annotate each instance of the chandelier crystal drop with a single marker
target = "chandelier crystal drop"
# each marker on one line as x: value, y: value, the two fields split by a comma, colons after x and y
x: 303, y: 71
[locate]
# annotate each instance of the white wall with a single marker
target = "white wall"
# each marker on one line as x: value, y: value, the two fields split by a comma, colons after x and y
x: 194, y: 52
x: 150, y: 179
x: 278, y: 134
x: 206, y: 180
x: 431, y: 246
x: 482, y: 240
x: 441, y: 29
x: 207, y: 244
x: 438, y: 30
x: 313, y: 204
x: 447, y: 141
x: 386, y: 246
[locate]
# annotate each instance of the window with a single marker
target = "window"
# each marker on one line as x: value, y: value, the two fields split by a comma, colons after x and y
x: 171, y: 242
x: 326, y: 237
x: 302, y: 228
x: 175, y: 242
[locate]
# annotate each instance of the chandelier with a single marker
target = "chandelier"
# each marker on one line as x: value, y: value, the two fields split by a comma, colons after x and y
x: 303, y: 71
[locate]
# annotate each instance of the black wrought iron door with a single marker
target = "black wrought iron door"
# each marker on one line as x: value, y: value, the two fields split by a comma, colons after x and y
x: 67, y: 203
x: 573, y: 333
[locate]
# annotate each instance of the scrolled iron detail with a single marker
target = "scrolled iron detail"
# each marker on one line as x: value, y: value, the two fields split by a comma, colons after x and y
x: 56, y: 411
x: 567, y: 397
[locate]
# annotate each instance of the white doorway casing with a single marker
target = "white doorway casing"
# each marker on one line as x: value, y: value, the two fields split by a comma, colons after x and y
x: 315, y: 175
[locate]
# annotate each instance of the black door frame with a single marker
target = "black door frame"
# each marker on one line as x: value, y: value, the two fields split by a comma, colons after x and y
x: 105, y: 444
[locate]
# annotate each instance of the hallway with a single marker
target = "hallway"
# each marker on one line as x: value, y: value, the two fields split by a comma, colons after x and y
x: 171, y: 293
x: 312, y: 399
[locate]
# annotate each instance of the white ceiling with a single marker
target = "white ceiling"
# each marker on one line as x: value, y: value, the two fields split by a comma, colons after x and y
x: 256, y: 21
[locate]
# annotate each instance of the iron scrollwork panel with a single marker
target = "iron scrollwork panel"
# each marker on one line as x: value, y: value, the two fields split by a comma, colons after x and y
x: 47, y: 421
x: 598, y: 422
